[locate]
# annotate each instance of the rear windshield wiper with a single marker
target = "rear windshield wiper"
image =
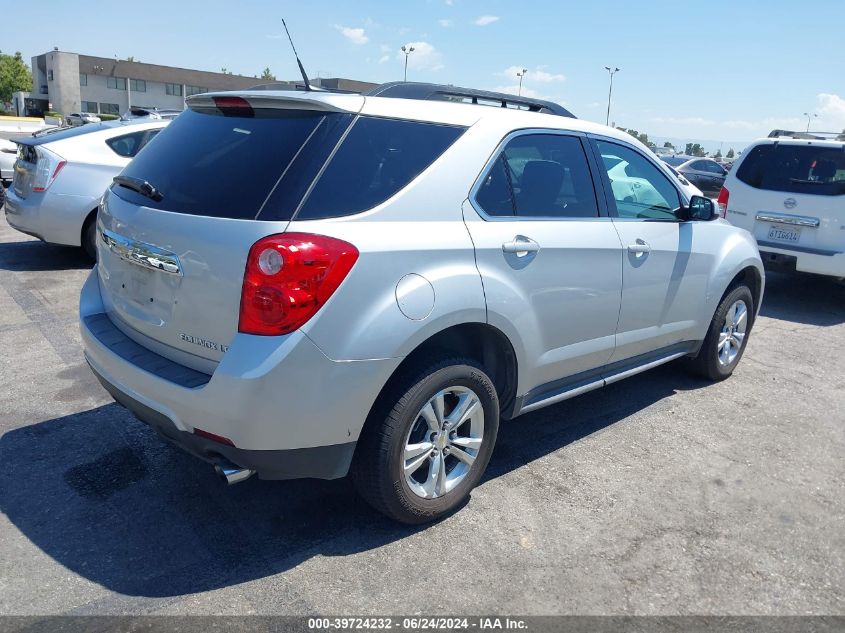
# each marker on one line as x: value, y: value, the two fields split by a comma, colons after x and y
x: 803, y: 181
x: 140, y: 186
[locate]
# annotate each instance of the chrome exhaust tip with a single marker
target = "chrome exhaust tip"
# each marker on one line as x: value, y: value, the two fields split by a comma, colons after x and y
x: 230, y: 473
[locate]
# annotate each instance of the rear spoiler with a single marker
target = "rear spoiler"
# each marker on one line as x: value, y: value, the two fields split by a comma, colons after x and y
x: 281, y: 100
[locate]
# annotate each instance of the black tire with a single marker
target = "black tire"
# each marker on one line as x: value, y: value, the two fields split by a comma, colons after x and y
x: 378, y: 467
x: 89, y: 238
x: 707, y: 363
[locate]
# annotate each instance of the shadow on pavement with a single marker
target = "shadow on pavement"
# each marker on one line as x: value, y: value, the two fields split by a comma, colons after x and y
x: 101, y: 494
x: 35, y: 255
x: 804, y: 298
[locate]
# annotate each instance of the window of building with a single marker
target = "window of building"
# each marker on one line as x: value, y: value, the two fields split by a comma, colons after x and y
x: 83, y: 79
x: 117, y: 83
x: 195, y: 90
x: 90, y: 106
x: 109, y: 108
x: 173, y: 89
x: 50, y: 75
x: 138, y: 85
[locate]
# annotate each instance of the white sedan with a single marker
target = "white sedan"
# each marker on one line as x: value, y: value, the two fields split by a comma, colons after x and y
x: 8, y: 154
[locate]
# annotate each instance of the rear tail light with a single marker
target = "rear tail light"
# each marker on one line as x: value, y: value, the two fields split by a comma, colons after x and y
x: 288, y: 278
x: 47, y: 168
x: 722, y: 201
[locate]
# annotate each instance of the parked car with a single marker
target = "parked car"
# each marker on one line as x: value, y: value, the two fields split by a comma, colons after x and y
x: 690, y: 189
x: 677, y: 160
x: 388, y: 277
x: 81, y: 118
x: 60, y: 178
x: 788, y: 190
x: 704, y: 173
x: 8, y: 155
x: 135, y: 114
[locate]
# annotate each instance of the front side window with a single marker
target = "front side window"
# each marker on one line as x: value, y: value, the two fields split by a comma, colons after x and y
x: 116, y: 83
x: 640, y: 190
x: 138, y: 85
x: 795, y: 169
x: 540, y: 175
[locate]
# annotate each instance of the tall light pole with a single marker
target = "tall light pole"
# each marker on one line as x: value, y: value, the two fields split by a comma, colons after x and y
x: 521, y: 75
x: 407, y: 50
x: 810, y: 116
x: 610, y: 91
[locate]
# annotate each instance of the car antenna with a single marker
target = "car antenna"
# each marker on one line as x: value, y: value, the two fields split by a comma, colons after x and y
x: 295, y: 54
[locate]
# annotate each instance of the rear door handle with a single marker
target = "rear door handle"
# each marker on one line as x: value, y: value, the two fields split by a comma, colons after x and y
x: 521, y: 245
x: 641, y: 247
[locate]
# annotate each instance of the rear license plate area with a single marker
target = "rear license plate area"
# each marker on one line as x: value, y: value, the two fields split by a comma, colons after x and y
x: 785, y: 234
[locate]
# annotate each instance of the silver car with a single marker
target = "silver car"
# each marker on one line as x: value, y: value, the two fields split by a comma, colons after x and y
x: 380, y: 280
x: 61, y: 176
x: 81, y: 118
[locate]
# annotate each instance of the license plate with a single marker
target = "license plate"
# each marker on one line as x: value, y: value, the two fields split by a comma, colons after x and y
x: 784, y: 234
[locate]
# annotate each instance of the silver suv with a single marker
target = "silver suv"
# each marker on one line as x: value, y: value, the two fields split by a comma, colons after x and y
x: 379, y: 280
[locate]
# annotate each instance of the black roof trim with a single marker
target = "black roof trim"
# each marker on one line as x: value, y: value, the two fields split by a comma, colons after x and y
x: 440, y: 92
x: 813, y: 136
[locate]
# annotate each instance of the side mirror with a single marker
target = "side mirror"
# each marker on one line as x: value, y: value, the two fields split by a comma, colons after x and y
x: 701, y: 208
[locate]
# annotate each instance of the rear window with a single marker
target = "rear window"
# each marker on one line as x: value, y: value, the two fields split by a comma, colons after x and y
x: 377, y: 159
x: 220, y: 166
x: 795, y: 169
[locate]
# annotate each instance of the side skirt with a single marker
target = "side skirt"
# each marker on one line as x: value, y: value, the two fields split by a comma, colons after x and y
x: 572, y: 386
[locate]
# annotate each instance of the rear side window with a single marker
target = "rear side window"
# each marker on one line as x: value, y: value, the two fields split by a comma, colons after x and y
x: 540, y: 175
x: 220, y: 166
x: 129, y: 145
x: 377, y: 159
x: 795, y: 169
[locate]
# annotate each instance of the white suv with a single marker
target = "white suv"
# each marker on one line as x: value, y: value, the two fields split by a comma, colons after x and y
x: 788, y: 190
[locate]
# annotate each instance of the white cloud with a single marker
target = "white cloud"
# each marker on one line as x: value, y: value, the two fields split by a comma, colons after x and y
x: 831, y: 111
x: 449, y: 2
x: 384, y: 59
x: 538, y: 75
x: 514, y: 90
x: 424, y: 57
x: 484, y: 20
x: 356, y: 36
x: 445, y: 23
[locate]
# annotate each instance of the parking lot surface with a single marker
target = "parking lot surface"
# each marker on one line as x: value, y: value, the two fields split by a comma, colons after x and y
x: 662, y: 494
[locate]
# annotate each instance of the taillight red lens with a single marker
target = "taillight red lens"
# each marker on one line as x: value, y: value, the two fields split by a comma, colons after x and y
x: 288, y: 278
x: 722, y: 201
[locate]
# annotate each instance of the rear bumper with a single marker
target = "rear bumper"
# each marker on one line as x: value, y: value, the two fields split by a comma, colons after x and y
x: 51, y: 217
x: 288, y: 409
x: 832, y: 264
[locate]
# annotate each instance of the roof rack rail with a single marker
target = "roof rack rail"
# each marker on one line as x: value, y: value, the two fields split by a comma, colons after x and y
x: 813, y: 136
x: 440, y: 92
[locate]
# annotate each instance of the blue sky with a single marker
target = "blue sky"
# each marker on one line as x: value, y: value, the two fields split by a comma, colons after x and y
x: 720, y: 70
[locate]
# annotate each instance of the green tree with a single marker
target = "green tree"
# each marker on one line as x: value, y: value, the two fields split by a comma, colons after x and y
x: 225, y: 71
x: 669, y: 145
x: 730, y: 153
x: 718, y: 153
x: 132, y: 59
x: 14, y: 76
x: 267, y: 75
x: 694, y: 149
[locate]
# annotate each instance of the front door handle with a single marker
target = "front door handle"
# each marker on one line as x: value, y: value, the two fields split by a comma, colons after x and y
x: 640, y: 248
x: 521, y: 245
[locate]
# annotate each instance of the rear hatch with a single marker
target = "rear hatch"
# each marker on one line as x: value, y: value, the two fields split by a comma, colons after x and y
x: 791, y: 195
x: 178, y: 223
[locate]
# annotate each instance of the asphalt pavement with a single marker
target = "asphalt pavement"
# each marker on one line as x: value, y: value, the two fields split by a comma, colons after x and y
x: 662, y: 494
